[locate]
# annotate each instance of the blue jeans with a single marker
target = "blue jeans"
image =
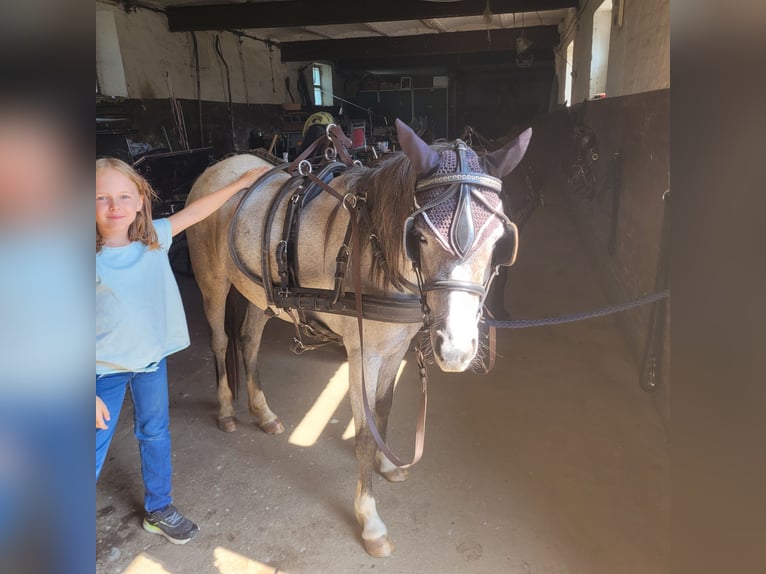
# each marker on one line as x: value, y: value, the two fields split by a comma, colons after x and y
x: 151, y: 420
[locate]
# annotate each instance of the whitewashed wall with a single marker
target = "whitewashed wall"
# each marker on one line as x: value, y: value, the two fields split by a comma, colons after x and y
x: 150, y: 54
x: 639, y: 51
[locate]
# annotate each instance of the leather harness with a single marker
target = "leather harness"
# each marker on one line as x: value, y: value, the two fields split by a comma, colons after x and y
x: 291, y: 296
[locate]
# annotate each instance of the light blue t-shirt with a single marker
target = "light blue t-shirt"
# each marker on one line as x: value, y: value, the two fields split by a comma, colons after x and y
x: 139, y: 314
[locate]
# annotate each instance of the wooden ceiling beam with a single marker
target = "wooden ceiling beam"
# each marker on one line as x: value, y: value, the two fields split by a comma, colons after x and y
x: 542, y: 37
x: 296, y: 13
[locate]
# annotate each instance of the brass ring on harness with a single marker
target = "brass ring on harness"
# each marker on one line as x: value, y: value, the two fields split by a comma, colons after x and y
x: 349, y: 201
x: 304, y: 167
x: 328, y: 128
x: 330, y: 153
x: 358, y: 163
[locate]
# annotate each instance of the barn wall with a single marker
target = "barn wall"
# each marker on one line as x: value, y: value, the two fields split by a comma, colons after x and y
x: 636, y: 125
x: 639, y: 50
x: 154, y: 57
x: 141, y: 62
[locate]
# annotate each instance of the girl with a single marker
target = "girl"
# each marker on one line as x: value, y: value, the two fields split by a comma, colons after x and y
x: 140, y: 321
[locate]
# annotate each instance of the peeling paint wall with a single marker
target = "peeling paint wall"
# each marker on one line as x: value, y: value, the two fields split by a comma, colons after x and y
x: 141, y: 63
x: 639, y: 49
x: 639, y: 52
x: 154, y: 57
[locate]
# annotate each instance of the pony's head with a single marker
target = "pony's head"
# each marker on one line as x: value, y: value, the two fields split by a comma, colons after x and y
x: 457, y: 236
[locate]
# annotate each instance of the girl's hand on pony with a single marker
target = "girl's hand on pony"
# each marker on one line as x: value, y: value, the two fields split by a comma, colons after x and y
x: 250, y: 177
x: 102, y: 414
x: 202, y: 207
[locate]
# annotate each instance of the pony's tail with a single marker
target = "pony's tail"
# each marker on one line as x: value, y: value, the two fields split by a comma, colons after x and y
x: 235, y: 314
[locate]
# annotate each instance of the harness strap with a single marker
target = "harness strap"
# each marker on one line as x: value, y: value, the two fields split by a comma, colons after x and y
x: 307, y: 153
x: 232, y: 226
x: 341, y: 262
x: 286, y: 252
x: 480, y: 179
x: 352, y: 203
x: 420, y: 429
x: 341, y: 142
x: 268, y: 285
x: 334, y: 136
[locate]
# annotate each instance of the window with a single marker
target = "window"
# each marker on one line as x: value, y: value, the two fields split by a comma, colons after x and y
x: 316, y: 80
x: 321, y: 81
x: 568, y: 74
x: 599, y: 57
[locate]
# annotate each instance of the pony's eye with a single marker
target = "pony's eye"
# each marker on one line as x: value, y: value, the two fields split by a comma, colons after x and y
x: 422, y: 239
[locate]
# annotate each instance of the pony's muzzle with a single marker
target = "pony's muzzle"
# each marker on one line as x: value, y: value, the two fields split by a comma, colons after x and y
x: 454, y: 354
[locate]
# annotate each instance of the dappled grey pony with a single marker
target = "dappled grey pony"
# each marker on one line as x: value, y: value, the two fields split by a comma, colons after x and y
x: 432, y: 232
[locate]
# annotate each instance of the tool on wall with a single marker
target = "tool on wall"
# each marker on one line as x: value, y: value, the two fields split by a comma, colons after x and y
x: 219, y: 52
x: 652, y: 363
x: 177, y: 114
x: 199, y: 91
x: 615, y: 182
x: 288, y: 90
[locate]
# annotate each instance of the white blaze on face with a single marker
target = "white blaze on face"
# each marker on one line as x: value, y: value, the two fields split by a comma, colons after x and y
x: 456, y: 313
x: 455, y: 334
x: 455, y: 339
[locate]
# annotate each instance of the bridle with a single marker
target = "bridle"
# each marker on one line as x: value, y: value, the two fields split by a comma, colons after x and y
x: 464, y: 185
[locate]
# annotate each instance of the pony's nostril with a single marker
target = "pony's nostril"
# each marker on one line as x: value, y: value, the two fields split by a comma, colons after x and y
x: 438, y: 344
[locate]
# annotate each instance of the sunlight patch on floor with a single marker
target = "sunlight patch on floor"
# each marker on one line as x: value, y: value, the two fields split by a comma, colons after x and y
x: 229, y: 562
x: 310, y: 428
x: 142, y: 564
x: 350, y: 431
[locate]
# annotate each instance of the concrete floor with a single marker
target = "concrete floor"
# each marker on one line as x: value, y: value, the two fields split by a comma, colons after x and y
x: 554, y: 463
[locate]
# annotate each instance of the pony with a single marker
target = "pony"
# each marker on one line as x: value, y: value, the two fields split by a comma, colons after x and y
x: 433, y: 232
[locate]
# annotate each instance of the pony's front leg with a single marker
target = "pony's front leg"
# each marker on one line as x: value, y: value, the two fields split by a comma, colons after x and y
x: 385, y: 392
x: 250, y: 336
x: 374, y: 531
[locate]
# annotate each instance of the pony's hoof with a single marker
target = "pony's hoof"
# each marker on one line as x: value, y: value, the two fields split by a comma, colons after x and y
x: 396, y: 475
x: 273, y: 427
x: 227, y: 424
x: 378, y: 548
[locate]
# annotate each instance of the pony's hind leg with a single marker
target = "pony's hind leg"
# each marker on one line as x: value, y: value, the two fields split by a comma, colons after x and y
x: 214, y: 297
x: 251, y: 335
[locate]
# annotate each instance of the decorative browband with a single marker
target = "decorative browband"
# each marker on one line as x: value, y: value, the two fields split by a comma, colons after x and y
x: 479, y: 179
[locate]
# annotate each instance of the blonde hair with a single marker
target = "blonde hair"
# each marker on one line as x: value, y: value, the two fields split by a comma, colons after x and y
x: 141, y: 229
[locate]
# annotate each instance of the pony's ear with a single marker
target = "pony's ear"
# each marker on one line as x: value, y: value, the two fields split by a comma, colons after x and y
x: 424, y: 159
x: 501, y: 162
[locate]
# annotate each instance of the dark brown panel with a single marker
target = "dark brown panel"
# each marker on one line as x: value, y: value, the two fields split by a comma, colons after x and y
x: 311, y: 13
x: 447, y: 64
x: 421, y: 45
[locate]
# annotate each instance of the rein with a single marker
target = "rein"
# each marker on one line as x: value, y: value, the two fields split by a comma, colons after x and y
x: 355, y: 205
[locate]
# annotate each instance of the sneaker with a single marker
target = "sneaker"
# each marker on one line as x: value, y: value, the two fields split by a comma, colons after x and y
x: 171, y: 524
